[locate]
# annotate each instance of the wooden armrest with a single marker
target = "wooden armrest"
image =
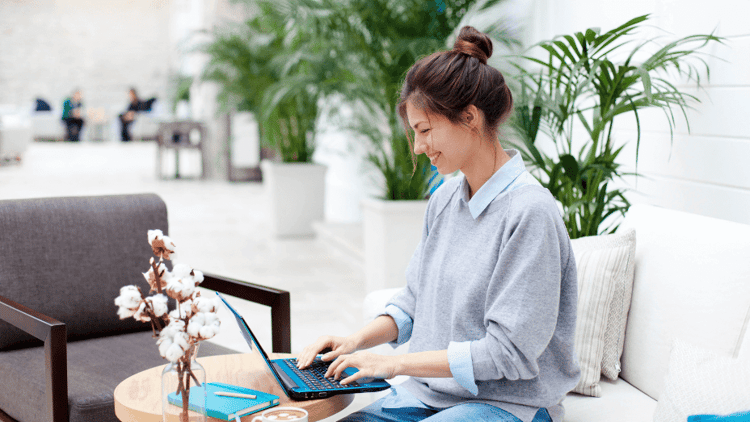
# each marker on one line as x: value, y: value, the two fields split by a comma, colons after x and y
x: 277, y: 299
x: 54, y: 334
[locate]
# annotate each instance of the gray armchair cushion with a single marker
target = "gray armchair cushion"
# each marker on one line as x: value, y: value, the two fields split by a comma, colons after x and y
x: 68, y: 258
x: 95, y: 368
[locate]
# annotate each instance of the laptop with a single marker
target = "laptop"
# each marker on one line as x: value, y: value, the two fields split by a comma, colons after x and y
x: 309, y: 383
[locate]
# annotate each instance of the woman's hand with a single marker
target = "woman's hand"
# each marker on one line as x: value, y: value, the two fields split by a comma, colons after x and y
x: 338, y: 345
x: 369, y: 364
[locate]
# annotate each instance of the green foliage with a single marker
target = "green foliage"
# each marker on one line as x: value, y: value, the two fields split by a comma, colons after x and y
x: 181, y: 86
x: 377, y: 41
x: 579, y: 83
x: 244, y: 61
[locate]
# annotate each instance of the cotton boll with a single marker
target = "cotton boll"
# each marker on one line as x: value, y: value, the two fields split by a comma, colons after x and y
x: 130, y: 297
x: 206, y: 304
x: 161, y: 245
x: 196, y: 323
x: 198, y: 277
x: 140, y: 314
x: 211, y: 326
x: 181, y: 339
x: 174, y: 314
x: 186, y: 308
x: 188, y: 287
x: 174, y: 353
x: 123, y: 312
x: 181, y: 271
x: 175, y: 325
x: 164, y: 344
x: 159, y: 304
x: 169, y: 243
x: 153, y: 235
x: 180, y: 289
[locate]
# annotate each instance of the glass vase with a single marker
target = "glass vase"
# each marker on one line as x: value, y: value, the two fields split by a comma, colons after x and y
x: 179, y: 379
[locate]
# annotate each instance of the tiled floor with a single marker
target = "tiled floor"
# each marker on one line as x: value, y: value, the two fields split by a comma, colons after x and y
x: 219, y: 227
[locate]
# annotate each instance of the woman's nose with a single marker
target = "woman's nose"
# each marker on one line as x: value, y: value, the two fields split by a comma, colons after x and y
x: 419, y: 146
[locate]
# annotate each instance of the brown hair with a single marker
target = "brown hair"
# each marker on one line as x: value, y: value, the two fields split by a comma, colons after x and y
x: 447, y: 82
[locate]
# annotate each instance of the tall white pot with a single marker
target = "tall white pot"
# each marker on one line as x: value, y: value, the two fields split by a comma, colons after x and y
x: 392, y: 230
x: 296, y: 196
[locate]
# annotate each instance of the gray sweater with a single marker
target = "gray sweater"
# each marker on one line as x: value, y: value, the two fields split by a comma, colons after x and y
x: 502, y: 285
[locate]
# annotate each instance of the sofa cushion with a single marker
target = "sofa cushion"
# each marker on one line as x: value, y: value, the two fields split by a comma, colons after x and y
x: 620, y: 402
x: 692, y: 281
x: 95, y: 368
x: 68, y: 258
x: 604, y: 282
x: 703, y: 382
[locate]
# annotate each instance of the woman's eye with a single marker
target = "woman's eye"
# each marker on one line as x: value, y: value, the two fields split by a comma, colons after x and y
x: 424, y: 130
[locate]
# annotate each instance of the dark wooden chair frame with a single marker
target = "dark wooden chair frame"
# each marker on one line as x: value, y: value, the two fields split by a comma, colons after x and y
x: 53, y: 333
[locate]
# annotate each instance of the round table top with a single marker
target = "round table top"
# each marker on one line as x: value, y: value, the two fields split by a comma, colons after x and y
x: 138, y: 398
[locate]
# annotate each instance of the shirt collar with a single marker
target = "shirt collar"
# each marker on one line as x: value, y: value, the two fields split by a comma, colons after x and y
x: 496, y: 184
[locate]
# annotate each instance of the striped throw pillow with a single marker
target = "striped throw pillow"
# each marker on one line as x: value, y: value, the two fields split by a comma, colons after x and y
x: 605, y: 279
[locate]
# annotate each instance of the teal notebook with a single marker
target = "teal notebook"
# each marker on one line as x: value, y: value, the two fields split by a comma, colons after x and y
x: 226, y: 408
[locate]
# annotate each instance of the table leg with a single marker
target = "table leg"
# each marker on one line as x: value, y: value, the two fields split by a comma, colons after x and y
x: 176, y: 163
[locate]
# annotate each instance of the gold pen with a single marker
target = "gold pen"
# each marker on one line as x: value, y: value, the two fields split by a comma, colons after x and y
x: 237, y: 395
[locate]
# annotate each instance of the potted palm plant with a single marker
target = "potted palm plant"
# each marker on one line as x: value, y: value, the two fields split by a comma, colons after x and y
x: 381, y: 39
x: 245, y: 62
x: 573, y: 96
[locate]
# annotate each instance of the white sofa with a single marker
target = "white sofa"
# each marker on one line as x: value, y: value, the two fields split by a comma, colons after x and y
x: 48, y: 125
x: 691, y: 282
x: 15, y: 133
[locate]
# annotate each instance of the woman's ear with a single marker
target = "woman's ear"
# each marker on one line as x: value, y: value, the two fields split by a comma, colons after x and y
x: 472, y: 117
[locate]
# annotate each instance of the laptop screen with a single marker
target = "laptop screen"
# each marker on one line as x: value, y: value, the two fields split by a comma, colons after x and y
x: 250, y: 338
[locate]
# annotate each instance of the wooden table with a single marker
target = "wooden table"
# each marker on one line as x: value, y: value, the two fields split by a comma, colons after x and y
x: 176, y: 135
x: 138, y: 398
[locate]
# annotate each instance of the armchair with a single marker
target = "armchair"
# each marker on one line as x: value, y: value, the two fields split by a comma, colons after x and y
x: 63, y: 349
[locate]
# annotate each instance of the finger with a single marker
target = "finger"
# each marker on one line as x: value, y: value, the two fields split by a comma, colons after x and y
x: 310, y: 352
x: 331, y: 368
x: 347, y: 362
x: 334, y: 367
x: 353, y: 377
x: 305, y: 358
x: 332, y: 355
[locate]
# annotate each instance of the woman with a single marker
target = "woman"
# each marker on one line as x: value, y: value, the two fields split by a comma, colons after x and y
x: 490, y: 301
x: 72, y: 117
x: 126, y: 119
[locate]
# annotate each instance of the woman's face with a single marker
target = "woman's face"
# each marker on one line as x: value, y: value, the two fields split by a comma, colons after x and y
x: 449, y: 146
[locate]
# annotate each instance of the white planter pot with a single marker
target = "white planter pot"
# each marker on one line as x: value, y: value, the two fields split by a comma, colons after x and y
x: 296, y: 196
x: 392, y: 230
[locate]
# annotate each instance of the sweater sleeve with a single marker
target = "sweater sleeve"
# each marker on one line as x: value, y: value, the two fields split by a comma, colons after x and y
x: 521, y: 308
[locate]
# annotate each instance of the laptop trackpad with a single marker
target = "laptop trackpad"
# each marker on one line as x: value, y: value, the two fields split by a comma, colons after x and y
x: 283, y: 375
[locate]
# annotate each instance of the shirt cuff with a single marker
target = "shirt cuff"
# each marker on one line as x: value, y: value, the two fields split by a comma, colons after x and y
x: 462, y: 366
x: 404, y: 323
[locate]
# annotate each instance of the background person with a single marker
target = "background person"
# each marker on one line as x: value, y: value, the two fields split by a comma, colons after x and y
x: 490, y: 301
x: 71, y: 115
x: 126, y: 118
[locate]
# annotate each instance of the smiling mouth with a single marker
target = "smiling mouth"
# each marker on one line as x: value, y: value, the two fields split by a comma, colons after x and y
x: 434, y: 157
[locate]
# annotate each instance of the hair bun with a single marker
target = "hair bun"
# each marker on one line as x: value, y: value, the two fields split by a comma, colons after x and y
x: 473, y: 43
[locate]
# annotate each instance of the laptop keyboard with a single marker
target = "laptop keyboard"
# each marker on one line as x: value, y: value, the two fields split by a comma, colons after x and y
x: 314, y: 375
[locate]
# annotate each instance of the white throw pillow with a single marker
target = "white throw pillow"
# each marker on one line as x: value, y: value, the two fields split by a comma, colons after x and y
x: 702, y: 381
x: 605, y: 283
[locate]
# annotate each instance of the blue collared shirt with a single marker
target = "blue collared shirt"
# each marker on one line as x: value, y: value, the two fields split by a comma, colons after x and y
x: 512, y: 175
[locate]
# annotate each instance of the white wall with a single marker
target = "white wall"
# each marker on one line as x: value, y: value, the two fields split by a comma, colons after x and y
x: 705, y: 171
x: 49, y: 47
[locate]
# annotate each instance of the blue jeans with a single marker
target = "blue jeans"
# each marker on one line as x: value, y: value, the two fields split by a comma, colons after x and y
x: 479, y: 412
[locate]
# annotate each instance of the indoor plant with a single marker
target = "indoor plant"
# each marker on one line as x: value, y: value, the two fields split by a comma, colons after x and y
x: 381, y: 39
x: 573, y: 96
x: 244, y: 62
